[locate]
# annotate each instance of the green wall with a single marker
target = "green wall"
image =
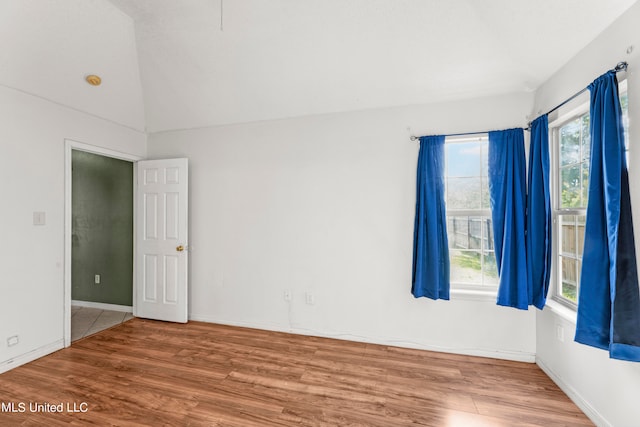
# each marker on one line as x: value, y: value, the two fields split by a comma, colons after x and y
x: 102, y: 229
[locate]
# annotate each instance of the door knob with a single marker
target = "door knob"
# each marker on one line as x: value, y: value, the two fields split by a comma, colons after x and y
x: 180, y: 248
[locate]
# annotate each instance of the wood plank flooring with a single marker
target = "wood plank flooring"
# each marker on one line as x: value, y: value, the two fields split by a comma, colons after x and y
x: 199, y: 374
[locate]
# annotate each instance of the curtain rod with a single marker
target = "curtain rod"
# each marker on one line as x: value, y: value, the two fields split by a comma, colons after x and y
x: 414, y: 138
x: 620, y: 66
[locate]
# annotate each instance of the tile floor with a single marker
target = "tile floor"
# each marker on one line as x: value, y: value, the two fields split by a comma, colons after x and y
x: 86, y: 321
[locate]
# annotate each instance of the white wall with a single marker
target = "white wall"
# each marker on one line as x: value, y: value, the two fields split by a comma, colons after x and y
x: 325, y: 204
x: 46, y: 48
x: 607, y: 390
x: 32, y: 134
x: 319, y: 204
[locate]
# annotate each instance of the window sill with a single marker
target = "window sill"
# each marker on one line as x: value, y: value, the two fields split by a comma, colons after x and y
x: 473, y: 295
x: 562, y: 311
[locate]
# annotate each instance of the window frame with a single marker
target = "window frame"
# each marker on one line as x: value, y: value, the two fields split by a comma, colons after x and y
x: 482, y: 212
x: 574, y: 110
x: 556, y: 194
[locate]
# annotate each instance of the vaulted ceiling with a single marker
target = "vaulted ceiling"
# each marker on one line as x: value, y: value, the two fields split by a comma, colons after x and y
x: 210, y: 62
x: 214, y: 62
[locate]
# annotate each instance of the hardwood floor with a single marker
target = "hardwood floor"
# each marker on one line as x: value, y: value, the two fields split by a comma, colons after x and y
x: 152, y: 373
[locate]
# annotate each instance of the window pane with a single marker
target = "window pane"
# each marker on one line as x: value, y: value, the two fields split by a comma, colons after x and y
x: 475, y: 233
x: 465, y: 232
x: 569, y: 278
x: 463, y: 193
x: 578, y: 273
x: 586, y: 140
x: 571, y: 196
x: 466, y: 266
x: 458, y: 232
x: 580, y: 237
x: 471, y: 253
x: 470, y: 237
x: 624, y: 103
x: 487, y: 233
x: 568, y: 227
x: 585, y: 185
x: 574, y: 152
x: 570, y: 143
x: 570, y: 291
x: 571, y: 240
x: 484, y: 145
x: 569, y: 270
x: 490, y: 268
x: 463, y: 159
x: 571, y: 235
x: 486, y: 201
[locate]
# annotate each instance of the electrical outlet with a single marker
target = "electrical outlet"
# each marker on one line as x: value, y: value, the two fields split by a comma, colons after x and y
x: 560, y: 333
x: 11, y: 341
x: 39, y: 218
x: 309, y: 298
x: 96, y: 280
x: 287, y: 295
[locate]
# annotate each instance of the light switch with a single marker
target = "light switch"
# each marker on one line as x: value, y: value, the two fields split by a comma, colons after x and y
x: 39, y: 218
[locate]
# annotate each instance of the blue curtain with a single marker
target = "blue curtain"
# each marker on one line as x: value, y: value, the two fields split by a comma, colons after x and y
x: 609, y: 300
x: 539, y: 214
x: 430, y: 243
x: 507, y: 190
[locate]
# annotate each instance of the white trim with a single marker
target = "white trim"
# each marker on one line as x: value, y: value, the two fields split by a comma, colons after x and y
x: 573, y: 394
x: 490, y: 295
x: 575, y: 108
x: 469, y: 212
x: 102, y: 306
x: 69, y: 146
x: 562, y: 311
x: 7, y: 365
x: 475, y: 137
x: 478, y: 352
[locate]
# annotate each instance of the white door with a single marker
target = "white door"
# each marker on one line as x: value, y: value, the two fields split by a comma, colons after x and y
x: 161, y: 240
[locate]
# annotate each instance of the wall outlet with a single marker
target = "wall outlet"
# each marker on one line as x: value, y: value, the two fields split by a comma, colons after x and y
x: 309, y: 298
x: 39, y: 218
x: 96, y: 279
x: 287, y: 295
x: 560, y: 333
x: 11, y: 341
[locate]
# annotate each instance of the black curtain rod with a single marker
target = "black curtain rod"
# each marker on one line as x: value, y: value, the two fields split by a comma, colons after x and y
x: 621, y: 66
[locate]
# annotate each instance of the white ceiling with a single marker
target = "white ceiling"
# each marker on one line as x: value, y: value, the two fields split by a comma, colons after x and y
x: 48, y: 47
x: 202, y: 64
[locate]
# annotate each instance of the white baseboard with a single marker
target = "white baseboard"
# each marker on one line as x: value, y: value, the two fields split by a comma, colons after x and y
x: 573, y: 394
x: 102, y: 306
x: 493, y: 354
x: 7, y: 365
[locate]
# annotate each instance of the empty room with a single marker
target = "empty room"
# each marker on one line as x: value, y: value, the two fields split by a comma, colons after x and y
x: 320, y: 212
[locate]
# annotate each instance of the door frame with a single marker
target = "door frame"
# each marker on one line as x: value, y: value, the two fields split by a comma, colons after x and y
x: 69, y: 146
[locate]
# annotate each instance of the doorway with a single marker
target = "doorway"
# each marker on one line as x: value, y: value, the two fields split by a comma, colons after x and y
x: 99, y: 238
x: 101, y: 242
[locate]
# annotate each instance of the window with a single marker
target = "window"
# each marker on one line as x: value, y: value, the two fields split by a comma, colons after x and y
x: 571, y: 139
x: 469, y: 225
x: 624, y: 102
